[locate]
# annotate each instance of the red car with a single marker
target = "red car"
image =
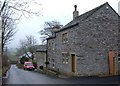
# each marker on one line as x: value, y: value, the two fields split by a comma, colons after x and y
x: 28, y: 66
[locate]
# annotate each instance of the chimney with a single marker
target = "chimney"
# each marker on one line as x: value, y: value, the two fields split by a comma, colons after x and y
x: 119, y: 8
x: 75, y: 13
x: 55, y: 29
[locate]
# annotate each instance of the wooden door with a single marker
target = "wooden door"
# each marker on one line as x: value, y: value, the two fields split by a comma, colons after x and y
x: 112, y: 63
x: 73, y: 62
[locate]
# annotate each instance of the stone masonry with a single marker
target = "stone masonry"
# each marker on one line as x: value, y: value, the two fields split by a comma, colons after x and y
x: 90, y: 37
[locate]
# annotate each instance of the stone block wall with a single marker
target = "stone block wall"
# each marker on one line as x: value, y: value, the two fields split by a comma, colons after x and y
x: 90, y: 40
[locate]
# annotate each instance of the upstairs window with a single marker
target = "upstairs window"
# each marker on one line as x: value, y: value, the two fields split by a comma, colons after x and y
x: 64, y: 37
x: 51, y: 46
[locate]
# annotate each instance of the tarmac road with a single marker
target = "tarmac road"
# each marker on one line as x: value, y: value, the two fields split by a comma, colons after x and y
x: 19, y: 76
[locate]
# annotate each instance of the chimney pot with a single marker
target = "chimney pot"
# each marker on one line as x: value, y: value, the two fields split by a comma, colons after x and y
x: 75, y: 13
x: 75, y: 7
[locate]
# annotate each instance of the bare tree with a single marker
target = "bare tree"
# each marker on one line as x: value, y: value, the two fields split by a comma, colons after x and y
x: 27, y: 45
x: 31, y: 42
x: 22, y: 48
x: 48, y: 29
x: 8, y: 27
x: 11, y: 12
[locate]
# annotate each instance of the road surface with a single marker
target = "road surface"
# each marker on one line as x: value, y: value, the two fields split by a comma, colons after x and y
x: 19, y: 76
x: 0, y: 80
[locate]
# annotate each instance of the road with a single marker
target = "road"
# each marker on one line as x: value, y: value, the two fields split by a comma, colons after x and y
x: 0, y: 80
x: 19, y: 76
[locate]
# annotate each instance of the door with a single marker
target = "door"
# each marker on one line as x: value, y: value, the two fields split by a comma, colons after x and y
x: 112, y: 63
x: 73, y: 62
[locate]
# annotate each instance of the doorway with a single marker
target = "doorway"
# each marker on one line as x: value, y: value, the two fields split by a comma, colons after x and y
x: 73, y: 62
x: 112, y: 63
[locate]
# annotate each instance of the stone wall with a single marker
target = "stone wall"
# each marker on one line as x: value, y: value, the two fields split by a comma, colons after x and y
x: 91, y: 41
x: 40, y: 58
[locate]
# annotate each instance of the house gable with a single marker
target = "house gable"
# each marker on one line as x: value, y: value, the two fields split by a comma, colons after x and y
x: 83, y: 17
x: 86, y: 15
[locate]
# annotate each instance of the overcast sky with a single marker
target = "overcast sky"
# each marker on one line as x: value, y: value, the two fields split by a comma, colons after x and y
x: 60, y: 10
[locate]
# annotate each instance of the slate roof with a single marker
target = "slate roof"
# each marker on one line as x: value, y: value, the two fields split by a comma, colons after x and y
x: 26, y: 55
x: 82, y: 17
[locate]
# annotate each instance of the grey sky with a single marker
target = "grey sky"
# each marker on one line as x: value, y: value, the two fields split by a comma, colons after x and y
x: 60, y: 10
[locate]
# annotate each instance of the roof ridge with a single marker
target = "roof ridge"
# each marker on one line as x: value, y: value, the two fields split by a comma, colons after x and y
x: 94, y: 10
x: 83, y: 17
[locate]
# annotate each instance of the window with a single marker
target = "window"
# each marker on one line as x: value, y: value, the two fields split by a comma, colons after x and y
x: 51, y: 46
x: 53, y: 63
x: 65, y: 58
x: 64, y: 37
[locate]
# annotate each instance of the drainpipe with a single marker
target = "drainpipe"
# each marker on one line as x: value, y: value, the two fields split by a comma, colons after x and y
x: 47, y: 53
x: 46, y: 59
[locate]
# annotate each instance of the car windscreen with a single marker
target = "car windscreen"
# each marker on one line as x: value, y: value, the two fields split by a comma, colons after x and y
x: 29, y: 64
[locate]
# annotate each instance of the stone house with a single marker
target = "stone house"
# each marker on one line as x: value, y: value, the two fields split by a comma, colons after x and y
x: 40, y: 56
x: 88, y: 45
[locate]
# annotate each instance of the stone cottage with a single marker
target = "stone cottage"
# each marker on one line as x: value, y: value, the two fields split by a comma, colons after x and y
x: 88, y: 45
x: 40, y: 56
